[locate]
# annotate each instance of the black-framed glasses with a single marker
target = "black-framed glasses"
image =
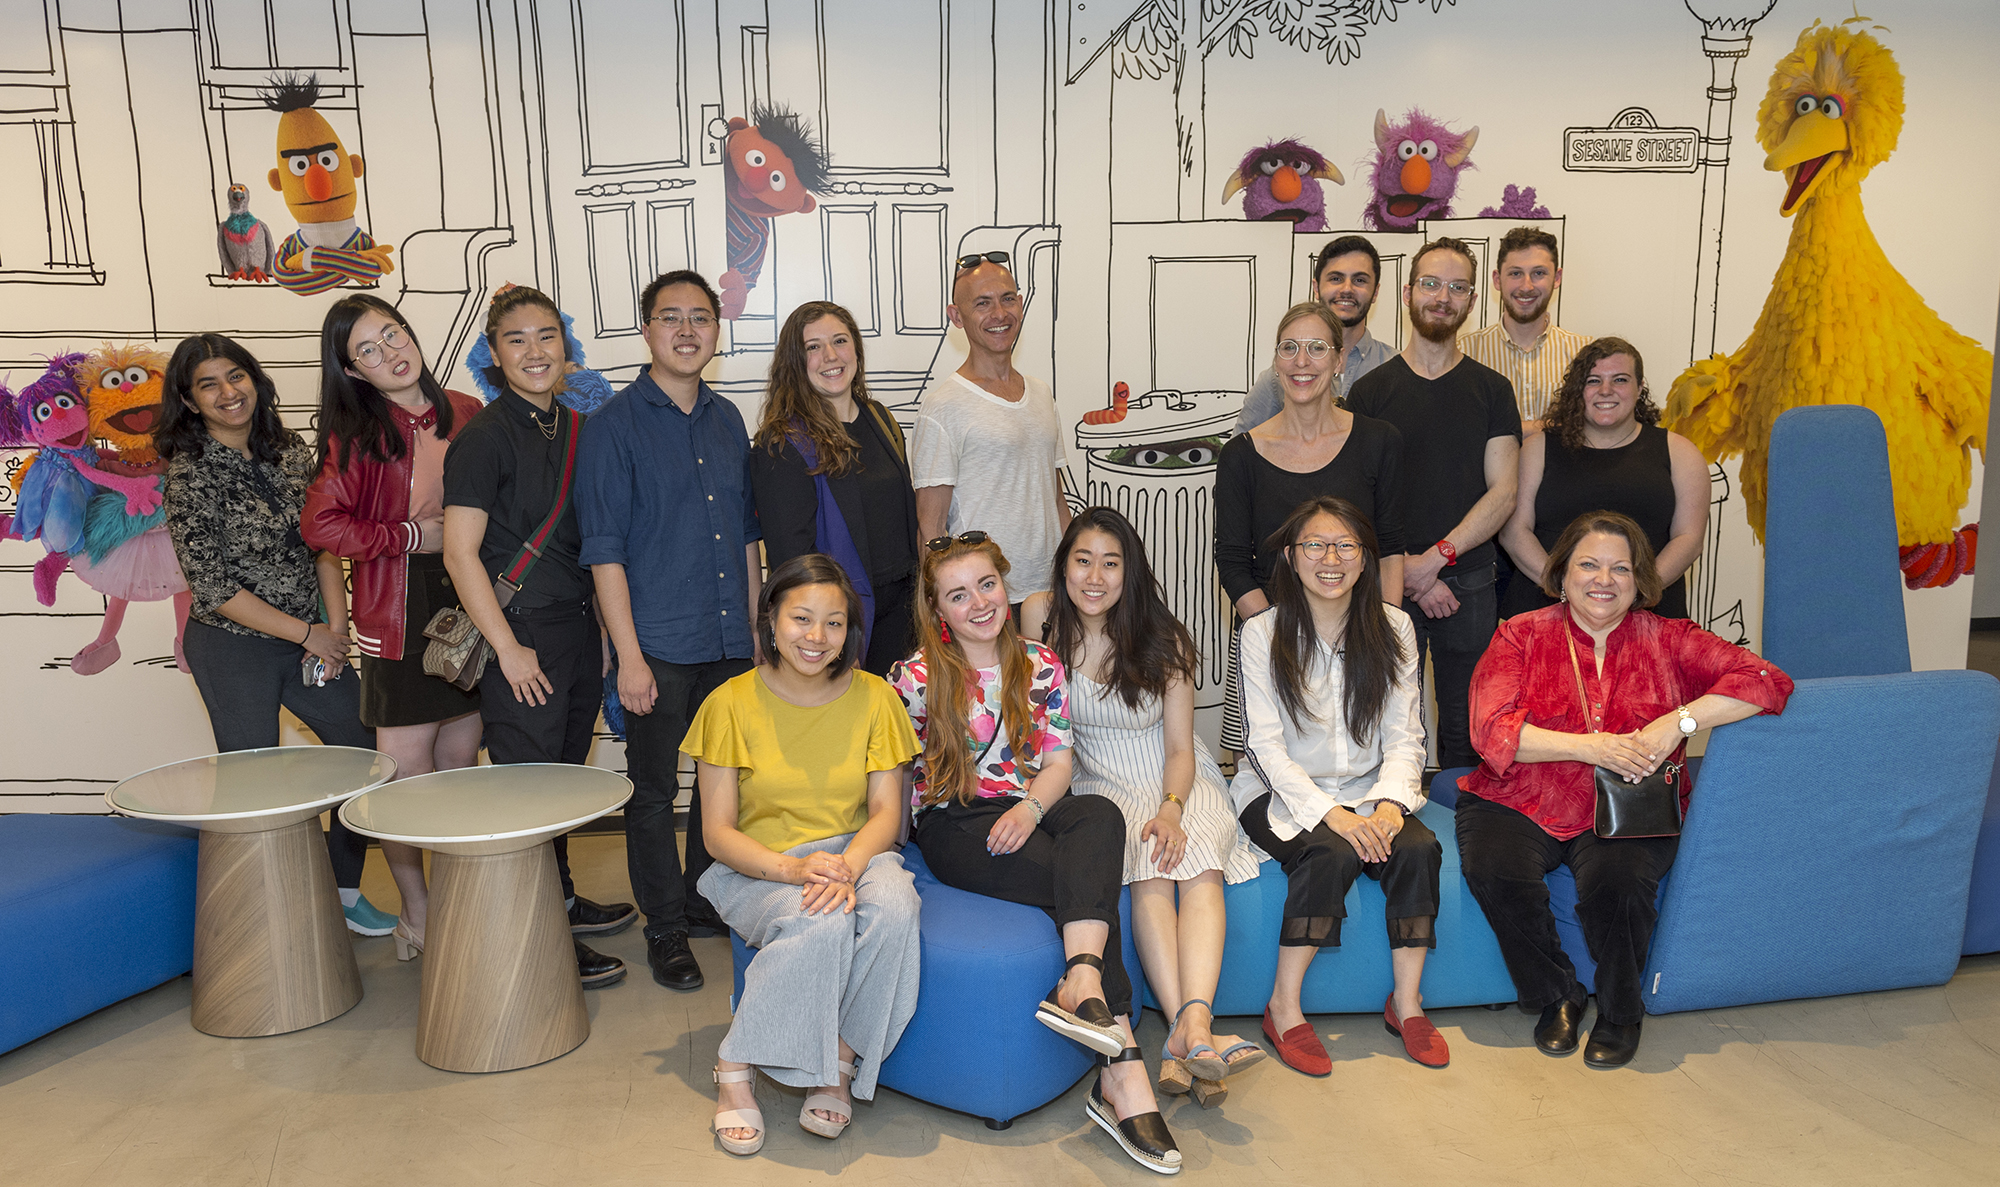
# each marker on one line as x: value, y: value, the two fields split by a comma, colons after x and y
x: 968, y: 263
x: 1315, y: 550
x: 940, y: 543
x: 372, y: 352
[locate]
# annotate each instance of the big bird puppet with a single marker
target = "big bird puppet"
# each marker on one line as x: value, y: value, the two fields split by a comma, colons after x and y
x: 319, y: 179
x: 1841, y: 325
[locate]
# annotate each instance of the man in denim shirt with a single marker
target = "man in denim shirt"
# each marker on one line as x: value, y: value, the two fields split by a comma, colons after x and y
x: 1345, y: 275
x: 670, y: 535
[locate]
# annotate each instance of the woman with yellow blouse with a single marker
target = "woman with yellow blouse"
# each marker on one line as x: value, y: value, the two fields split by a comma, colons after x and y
x: 800, y: 763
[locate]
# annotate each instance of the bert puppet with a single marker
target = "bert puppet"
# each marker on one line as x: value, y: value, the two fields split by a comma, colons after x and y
x: 318, y: 175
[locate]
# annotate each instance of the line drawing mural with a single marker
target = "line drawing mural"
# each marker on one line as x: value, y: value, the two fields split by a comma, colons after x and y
x: 579, y: 146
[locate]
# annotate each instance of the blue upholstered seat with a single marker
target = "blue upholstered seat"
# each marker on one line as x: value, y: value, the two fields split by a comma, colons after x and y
x: 93, y: 909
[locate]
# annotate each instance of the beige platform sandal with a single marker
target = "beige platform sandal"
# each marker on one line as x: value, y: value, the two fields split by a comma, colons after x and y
x: 751, y: 1118
x: 832, y: 1104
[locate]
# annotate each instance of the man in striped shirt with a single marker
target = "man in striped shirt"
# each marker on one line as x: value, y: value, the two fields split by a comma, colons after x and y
x: 1525, y: 345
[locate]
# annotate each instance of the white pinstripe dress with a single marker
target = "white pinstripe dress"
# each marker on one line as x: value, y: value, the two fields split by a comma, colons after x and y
x: 1121, y: 754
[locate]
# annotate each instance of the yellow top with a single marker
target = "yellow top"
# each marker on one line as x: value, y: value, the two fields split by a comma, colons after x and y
x: 803, y: 772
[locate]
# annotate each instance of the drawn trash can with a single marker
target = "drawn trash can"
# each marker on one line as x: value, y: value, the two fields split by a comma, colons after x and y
x: 1156, y: 465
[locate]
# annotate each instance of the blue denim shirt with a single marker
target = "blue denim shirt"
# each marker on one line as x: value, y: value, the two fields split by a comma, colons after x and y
x: 666, y: 493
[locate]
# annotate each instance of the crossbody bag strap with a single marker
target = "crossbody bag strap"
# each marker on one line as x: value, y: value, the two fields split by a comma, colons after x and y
x: 893, y: 434
x: 516, y: 573
x: 1577, y: 668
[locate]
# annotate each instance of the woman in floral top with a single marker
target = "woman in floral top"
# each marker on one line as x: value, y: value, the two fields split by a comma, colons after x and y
x: 993, y: 816
x: 264, y: 605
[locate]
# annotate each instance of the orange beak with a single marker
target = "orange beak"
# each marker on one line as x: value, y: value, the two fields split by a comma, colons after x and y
x: 1285, y: 184
x: 319, y: 183
x: 1416, y: 176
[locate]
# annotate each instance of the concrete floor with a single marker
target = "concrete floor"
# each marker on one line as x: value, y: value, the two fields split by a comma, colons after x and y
x: 1884, y: 1088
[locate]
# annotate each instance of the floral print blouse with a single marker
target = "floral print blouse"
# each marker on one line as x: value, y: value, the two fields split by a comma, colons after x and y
x: 1001, y: 771
x: 234, y: 522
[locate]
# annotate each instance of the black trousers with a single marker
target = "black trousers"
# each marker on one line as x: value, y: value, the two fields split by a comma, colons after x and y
x: 244, y: 679
x: 889, y: 634
x: 566, y: 643
x: 1072, y: 866
x: 1504, y: 855
x: 662, y: 884
x: 1320, y: 867
x: 1455, y: 644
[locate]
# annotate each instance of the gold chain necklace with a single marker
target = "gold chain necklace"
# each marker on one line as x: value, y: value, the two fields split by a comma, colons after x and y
x: 548, y: 430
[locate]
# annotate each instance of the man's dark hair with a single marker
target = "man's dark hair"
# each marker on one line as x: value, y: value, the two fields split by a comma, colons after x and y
x: 1446, y: 243
x: 667, y: 280
x: 290, y: 92
x: 1346, y: 245
x: 1523, y: 238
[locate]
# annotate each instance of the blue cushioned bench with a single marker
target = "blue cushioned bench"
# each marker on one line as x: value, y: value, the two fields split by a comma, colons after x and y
x: 93, y: 909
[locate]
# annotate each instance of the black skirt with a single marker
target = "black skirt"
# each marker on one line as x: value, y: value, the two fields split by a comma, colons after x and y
x: 397, y: 691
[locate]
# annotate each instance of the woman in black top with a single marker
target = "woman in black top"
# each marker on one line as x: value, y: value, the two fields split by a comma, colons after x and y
x: 1601, y: 449
x: 1312, y: 448
x: 853, y: 500
x: 264, y: 605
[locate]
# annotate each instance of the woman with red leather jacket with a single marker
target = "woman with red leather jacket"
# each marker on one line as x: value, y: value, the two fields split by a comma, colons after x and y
x: 384, y: 423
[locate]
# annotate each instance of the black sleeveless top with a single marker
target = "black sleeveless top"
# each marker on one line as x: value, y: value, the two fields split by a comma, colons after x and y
x: 1635, y: 479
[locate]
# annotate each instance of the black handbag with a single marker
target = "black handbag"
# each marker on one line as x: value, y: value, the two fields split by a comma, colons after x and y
x: 1649, y: 808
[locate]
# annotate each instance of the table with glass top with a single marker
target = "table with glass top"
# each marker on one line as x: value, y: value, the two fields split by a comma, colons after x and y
x: 500, y: 987
x: 271, y: 952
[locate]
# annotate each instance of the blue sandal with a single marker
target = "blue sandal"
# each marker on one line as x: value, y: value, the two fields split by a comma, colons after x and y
x: 1202, y: 1067
x: 1255, y: 1055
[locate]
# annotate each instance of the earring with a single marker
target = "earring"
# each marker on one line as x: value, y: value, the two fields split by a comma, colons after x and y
x: 944, y: 631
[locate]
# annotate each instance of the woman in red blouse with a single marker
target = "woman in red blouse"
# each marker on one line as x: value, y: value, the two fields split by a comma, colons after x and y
x: 1530, y: 805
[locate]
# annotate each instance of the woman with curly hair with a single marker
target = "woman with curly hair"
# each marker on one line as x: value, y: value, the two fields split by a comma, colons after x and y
x: 1602, y: 448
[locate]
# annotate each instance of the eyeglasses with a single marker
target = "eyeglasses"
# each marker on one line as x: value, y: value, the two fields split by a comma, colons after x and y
x: 673, y: 319
x: 1314, y: 348
x: 372, y: 352
x: 1429, y: 286
x: 1315, y: 550
x: 968, y: 263
x: 940, y: 543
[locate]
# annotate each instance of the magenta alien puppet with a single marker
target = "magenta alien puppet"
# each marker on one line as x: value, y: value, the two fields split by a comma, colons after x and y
x: 1417, y: 163
x: 1280, y: 181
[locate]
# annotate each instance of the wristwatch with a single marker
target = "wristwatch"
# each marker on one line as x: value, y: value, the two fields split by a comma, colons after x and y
x: 1687, y: 721
x: 1446, y: 551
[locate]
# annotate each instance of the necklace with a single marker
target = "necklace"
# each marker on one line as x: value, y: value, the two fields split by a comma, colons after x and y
x: 1633, y: 436
x: 549, y: 429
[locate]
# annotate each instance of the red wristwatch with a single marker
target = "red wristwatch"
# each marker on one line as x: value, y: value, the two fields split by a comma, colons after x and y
x: 1446, y: 551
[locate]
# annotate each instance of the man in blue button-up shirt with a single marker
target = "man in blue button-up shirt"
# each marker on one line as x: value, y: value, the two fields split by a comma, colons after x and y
x: 670, y: 534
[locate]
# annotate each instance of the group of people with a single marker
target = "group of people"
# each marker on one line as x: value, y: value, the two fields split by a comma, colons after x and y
x: 865, y: 643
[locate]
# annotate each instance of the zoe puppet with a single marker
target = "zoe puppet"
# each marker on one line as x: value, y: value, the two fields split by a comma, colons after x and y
x: 127, y: 558
x: 54, y: 488
x: 320, y: 180
x: 770, y: 168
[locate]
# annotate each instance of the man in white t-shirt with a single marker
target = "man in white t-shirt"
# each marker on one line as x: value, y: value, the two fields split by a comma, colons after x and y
x: 987, y: 451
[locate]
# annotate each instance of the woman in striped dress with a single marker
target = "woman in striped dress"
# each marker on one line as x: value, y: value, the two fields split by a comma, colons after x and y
x: 1131, y: 668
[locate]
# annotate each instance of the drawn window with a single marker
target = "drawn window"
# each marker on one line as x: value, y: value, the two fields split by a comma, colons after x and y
x: 262, y: 35
x: 670, y: 228
x: 613, y: 286
x: 919, y: 247
x: 1204, y: 318
x: 633, y: 101
x: 46, y: 240
x: 873, y: 115
x: 849, y: 255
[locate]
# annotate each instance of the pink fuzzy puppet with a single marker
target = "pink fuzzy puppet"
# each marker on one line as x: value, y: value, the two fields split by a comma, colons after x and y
x: 1417, y: 163
x: 1281, y: 181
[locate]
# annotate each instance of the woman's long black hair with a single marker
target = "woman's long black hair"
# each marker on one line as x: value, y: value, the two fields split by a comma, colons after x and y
x: 181, y: 427
x: 1368, y: 649
x: 1149, y: 646
x: 351, y: 410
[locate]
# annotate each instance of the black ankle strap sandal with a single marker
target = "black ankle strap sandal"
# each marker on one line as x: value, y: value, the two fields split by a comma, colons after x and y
x: 1144, y: 1137
x: 1091, y: 1023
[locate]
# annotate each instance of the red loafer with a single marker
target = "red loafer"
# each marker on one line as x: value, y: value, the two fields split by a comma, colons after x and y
x: 1299, y: 1047
x: 1420, y: 1038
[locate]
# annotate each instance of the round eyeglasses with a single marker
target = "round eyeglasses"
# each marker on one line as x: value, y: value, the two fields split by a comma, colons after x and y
x: 1314, y: 348
x: 372, y: 352
x: 1315, y: 550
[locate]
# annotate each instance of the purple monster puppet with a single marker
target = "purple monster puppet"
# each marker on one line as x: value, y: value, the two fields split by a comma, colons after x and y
x: 1417, y: 163
x: 1281, y: 181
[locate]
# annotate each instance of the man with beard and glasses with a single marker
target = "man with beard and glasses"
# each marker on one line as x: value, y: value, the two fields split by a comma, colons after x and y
x: 1461, y: 447
x: 1526, y: 345
x: 1344, y: 277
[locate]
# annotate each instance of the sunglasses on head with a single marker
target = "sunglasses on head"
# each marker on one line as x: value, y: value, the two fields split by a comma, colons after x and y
x: 940, y: 543
x: 968, y: 263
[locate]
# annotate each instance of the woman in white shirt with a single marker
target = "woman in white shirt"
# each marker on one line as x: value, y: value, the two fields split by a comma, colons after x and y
x: 1332, y: 777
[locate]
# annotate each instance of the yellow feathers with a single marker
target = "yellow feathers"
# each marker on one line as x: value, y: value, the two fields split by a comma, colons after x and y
x: 1841, y: 325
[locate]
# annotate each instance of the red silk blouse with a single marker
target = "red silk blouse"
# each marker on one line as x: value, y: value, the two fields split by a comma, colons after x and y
x: 1651, y: 666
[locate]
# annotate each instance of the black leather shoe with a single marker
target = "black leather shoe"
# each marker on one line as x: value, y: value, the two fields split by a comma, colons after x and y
x: 702, y: 927
x: 596, y: 969
x: 1560, y: 1025
x: 600, y: 919
x: 1144, y: 1137
x: 673, y: 965
x: 1612, y: 1044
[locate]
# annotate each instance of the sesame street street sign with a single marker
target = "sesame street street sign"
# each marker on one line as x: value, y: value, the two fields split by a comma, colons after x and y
x: 1632, y: 143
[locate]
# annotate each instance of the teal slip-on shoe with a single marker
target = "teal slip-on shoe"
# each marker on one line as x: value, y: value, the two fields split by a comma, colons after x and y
x: 366, y: 919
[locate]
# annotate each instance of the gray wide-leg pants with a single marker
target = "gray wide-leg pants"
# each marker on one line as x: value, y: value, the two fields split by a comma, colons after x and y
x: 818, y: 979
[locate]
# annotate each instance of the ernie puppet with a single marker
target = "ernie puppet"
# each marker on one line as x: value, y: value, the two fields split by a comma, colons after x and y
x: 319, y: 178
x: 770, y: 167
